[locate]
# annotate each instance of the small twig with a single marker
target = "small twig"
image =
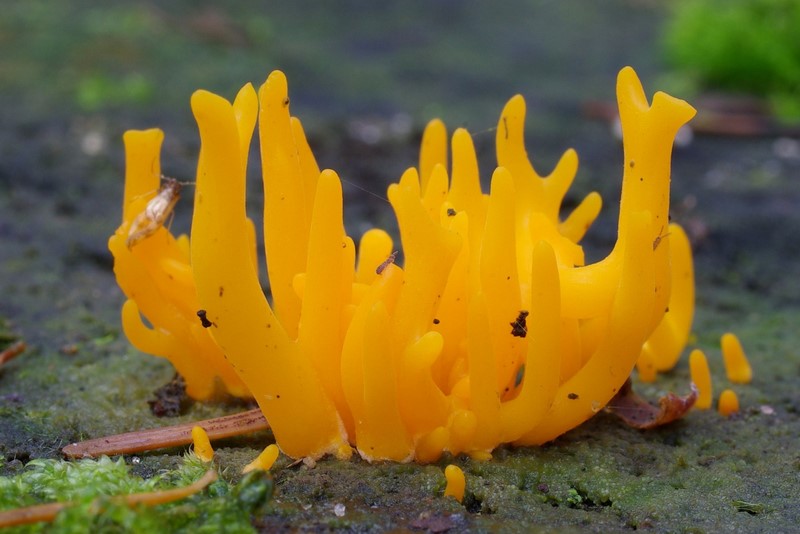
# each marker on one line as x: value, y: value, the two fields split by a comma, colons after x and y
x: 12, y: 352
x: 48, y: 512
x: 170, y: 436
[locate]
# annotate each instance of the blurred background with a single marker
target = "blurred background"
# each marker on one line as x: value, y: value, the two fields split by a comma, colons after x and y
x: 365, y: 77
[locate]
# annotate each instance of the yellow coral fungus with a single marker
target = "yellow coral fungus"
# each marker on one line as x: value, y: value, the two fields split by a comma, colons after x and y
x: 155, y: 275
x: 264, y: 460
x: 701, y: 377
x: 493, y: 330
x: 728, y: 403
x: 737, y: 367
x: 202, y: 445
x: 456, y: 482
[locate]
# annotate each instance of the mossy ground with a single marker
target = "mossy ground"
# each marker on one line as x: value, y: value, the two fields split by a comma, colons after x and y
x: 60, y: 189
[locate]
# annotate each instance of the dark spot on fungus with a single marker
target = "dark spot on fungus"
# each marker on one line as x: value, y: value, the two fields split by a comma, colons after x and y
x: 203, y: 319
x: 505, y: 126
x: 518, y: 327
x: 572, y: 396
x: 286, y: 101
x: 436, y: 321
x: 451, y: 212
x: 632, y: 163
x: 520, y: 376
x: 221, y: 291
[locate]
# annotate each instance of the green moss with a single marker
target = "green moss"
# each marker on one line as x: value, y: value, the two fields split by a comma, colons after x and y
x: 221, y: 508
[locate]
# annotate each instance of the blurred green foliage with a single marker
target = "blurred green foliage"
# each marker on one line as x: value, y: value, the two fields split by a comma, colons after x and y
x: 749, y: 46
x: 98, y: 90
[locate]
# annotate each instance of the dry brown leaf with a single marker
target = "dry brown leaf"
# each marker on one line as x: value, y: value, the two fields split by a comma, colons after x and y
x: 638, y: 413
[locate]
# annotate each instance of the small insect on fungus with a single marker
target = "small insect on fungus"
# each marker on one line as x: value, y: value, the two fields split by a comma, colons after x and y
x: 659, y: 237
x: 386, y: 262
x: 519, y: 328
x: 155, y: 213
